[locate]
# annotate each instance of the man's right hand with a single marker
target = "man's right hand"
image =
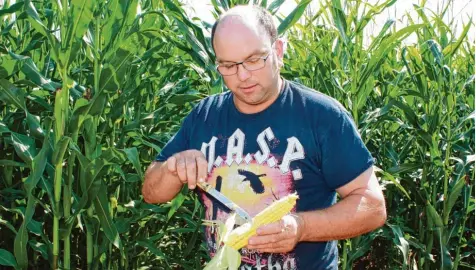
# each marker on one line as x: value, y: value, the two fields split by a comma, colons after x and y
x: 163, y: 180
x: 190, y: 166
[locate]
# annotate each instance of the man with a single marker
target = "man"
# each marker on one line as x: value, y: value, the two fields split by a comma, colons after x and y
x: 265, y: 138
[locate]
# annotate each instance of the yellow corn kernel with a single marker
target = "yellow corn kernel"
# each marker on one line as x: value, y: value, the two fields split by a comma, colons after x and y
x: 238, y: 238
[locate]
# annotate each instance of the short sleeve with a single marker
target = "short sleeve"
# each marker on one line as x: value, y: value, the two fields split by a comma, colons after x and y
x: 179, y: 142
x: 344, y: 154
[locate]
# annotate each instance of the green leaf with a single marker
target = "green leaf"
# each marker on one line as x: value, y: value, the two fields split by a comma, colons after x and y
x: 409, y: 113
x: 396, y: 183
x: 340, y: 23
x: 175, y: 204
x: 47, y: 186
x: 12, y: 163
x: 400, y: 241
x: 38, y: 167
x: 133, y: 156
x: 274, y: 6
x: 34, y: 19
x: 377, y: 40
x: 192, y: 241
x: 433, y: 214
x: 60, y: 150
x: 197, y: 47
x: 363, y: 245
x: 120, y: 12
x: 21, y: 239
x: 11, y: 9
x: 132, y: 178
x: 446, y: 261
x: 388, y: 44
x: 61, y: 111
x: 40, y: 248
x: 79, y: 111
x: 117, y: 63
x: 450, y: 50
x: 293, y: 17
x: 151, y: 247
x: 12, y: 95
x: 34, y: 125
x: 28, y: 67
x: 81, y: 15
x: 97, y: 105
x: 101, y: 205
x: 151, y: 145
x: 24, y: 147
x: 7, y: 224
x: 35, y: 227
x: 435, y: 50
x: 183, y: 99
x: 454, y: 195
x: 7, y: 259
x: 406, y: 167
x: 3, y: 128
x: 91, y: 183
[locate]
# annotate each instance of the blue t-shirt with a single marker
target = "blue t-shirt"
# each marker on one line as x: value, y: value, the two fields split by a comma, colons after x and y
x: 304, y: 142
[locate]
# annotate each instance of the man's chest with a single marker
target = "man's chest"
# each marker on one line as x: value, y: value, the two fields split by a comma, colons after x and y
x: 271, y: 146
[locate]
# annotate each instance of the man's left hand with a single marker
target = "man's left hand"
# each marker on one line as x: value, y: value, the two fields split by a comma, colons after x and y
x: 278, y: 237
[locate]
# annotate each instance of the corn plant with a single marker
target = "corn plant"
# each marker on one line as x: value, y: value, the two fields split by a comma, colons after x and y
x: 414, y: 106
x: 91, y: 90
x: 84, y: 107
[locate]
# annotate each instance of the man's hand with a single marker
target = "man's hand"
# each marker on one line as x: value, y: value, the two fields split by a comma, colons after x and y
x: 278, y: 237
x: 190, y: 166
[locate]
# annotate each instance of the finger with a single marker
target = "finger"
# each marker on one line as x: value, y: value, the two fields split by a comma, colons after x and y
x: 202, y: 168
x: 191, y: 166
x: 172, y: 164
x: 272, y: 228
x: 274, y: 250
x: 266, y: 239
x: 181, y: 169
x: 283, y: 246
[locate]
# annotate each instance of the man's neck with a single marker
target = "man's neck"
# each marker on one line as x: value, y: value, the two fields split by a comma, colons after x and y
x: 252, y: 109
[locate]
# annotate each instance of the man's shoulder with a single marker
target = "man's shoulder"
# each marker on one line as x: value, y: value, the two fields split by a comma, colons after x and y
x: 213, y: 103
x: 315, y: 99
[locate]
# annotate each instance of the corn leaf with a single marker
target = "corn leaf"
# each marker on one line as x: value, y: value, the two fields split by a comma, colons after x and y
x: 7, y: 259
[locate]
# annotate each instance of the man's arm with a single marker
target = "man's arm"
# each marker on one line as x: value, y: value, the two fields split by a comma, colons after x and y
x: 163, y: 180
x: 160, y: 185
x: 361, y: 209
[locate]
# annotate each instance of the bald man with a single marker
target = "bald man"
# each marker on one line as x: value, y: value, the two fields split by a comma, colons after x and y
x: 266, y: 138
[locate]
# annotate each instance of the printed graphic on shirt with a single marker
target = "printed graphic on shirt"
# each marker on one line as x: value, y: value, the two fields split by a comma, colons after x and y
x: 253, y: 181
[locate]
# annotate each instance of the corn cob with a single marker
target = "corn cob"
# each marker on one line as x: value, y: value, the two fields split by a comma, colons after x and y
x: 238, y: 238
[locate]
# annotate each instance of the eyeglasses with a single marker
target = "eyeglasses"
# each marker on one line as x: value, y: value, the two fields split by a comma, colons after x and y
x: 250, y: 64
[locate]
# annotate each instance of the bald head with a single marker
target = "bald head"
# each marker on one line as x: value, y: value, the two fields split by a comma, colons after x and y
x: 254, y: 18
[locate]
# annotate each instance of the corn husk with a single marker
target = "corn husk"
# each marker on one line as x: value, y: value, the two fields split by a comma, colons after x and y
x: 228, y: 255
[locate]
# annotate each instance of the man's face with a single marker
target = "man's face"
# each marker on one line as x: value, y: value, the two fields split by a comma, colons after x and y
x: 236, y: 42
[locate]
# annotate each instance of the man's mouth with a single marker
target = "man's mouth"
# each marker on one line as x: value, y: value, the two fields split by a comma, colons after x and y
x: 249, y: 87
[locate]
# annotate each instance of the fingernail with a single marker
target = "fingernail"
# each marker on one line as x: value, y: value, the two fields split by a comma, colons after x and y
x: 200, y: 180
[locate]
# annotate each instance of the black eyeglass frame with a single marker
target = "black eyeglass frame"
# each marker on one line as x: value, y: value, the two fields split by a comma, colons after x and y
x: 264, y: 58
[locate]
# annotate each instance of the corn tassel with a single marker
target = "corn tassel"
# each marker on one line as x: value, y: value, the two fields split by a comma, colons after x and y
x: 238, y: 238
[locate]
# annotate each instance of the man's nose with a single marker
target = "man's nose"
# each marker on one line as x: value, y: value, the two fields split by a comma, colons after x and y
x: 243, y: 73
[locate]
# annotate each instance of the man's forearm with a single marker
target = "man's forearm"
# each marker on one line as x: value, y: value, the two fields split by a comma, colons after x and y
x: 159, y: 184
x: 352, y: 216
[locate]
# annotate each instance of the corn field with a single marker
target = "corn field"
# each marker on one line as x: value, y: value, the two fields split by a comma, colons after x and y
x: 91, y: 90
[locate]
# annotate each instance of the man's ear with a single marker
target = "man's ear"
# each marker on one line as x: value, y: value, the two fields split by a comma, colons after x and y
x: 279, y: 47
